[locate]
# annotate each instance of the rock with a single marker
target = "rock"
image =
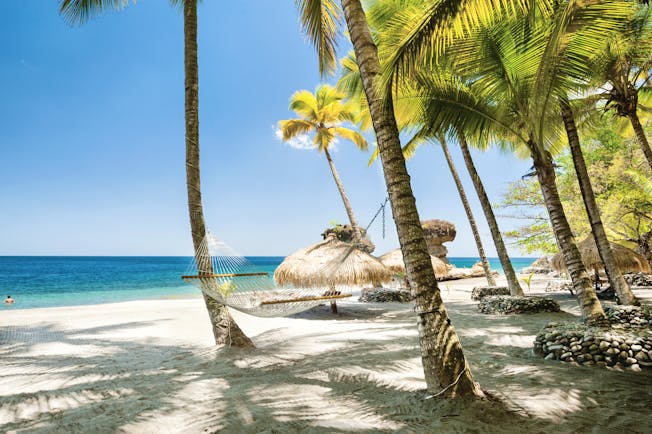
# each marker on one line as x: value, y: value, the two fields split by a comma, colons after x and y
x: 465, y: 273
x: 630, y: 361
x: 634, y: 367
x: 479, y: 292
x: 636, y: 347
x: 566, y: 355
x: 641, y: 357
x: 540, y: 266
x: 345, y: 233
x: 384, y: 295
x: 549, y: 357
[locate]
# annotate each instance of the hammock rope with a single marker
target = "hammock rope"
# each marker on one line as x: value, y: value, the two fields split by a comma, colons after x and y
x: 227, y: 277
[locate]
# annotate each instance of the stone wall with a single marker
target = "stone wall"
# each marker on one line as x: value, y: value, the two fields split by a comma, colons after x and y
x: 507, y: 304
x: 627, y: 344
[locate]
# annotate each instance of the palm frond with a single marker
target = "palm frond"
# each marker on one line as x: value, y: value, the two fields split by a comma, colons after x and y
x: 304, y: 103
x: 351, y: 135
x: 80, y: 11
x: 320, y: 20
x: 293, y: 127
x: 418, y: 33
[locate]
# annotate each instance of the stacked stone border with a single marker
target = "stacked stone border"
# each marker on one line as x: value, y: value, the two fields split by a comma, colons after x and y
x: 627, y: 344
x: 385, y: 295
x: 507, y: 304
x: 480, y: 292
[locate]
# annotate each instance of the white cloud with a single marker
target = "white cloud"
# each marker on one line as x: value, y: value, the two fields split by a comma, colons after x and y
x: 302, y: 141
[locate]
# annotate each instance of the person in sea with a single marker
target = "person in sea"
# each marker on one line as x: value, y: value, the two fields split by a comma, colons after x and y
x: 9, y: 300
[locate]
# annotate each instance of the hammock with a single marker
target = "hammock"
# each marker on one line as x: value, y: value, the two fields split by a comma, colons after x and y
x: 219, y: 272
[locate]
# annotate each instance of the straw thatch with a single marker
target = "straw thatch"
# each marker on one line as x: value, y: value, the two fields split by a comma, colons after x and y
x: 331, y: 263
x: 394, y: 261
x: 628, y: 260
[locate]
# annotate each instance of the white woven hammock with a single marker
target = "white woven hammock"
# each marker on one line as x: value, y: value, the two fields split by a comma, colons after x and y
x: 219, y: 272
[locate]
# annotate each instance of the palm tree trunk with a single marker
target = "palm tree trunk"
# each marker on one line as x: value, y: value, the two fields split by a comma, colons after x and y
x: 225, y: 330
x: 469, y: 214
x: 640, y: 135
x: 345, y: 197
x: 604, y: 249
x: 445, y: 368
x: 590, y: 306
x: 510, y: 275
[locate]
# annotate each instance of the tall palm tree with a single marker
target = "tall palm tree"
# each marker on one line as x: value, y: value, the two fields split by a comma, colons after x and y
x: 510, y: 275
x: 445, y: 367
x: 467, y: 208
x: 625, y: 294
x: 225, y: 330
x: 322, y: 114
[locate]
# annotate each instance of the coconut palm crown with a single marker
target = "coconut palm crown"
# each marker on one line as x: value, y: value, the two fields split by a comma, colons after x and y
x: 323, y: 114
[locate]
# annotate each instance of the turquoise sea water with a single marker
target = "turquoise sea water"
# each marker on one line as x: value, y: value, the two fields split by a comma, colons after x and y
x: 48, y: 281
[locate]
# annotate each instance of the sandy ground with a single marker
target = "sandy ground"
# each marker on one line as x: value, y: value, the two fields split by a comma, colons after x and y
x: 149, y: 367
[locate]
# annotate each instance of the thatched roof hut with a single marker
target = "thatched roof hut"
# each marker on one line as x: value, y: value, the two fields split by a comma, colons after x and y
x: 331, y: 263
x: 394, y: 261
x: 628, y: 260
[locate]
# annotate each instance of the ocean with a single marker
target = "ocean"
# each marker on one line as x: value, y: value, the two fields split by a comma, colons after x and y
x: 50, y: 281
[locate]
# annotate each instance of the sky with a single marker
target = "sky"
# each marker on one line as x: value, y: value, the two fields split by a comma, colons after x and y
x: 92, y: 158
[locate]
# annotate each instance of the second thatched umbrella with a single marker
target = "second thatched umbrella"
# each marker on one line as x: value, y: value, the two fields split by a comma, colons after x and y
x: 331, y: 263
x: 394, y: 261
x: 626, y: 259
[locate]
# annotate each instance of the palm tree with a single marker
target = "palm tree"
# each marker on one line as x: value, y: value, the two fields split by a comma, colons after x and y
x: 445, y: 367
x: 513, y: 73
x: 625, y: 294
x: 624, y: 66
x: 323, y: 113
x: 512, y: 281
x: 467, y: 208
x: 225, y: 330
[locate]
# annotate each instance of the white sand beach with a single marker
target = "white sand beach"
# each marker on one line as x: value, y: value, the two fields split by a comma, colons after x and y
x: 150, y: 367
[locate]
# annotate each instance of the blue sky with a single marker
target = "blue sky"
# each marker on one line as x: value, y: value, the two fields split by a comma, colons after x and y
x: 92, y: 138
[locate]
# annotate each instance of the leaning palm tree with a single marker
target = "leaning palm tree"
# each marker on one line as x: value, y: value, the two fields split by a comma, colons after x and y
x: 445, y: 367
x: 624, y: 292
x: 323, y: 114
x: 225, y: 330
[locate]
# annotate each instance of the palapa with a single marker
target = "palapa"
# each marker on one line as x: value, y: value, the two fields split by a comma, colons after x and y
x: 627, y: 260
x: 394, y: 261
x: 331, y: 263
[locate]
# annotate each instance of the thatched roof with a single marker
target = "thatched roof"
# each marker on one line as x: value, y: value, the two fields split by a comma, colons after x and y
x: 394, y: 261
x: 438, y: 231
x: 628, y: 260
x: 331, y: 262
